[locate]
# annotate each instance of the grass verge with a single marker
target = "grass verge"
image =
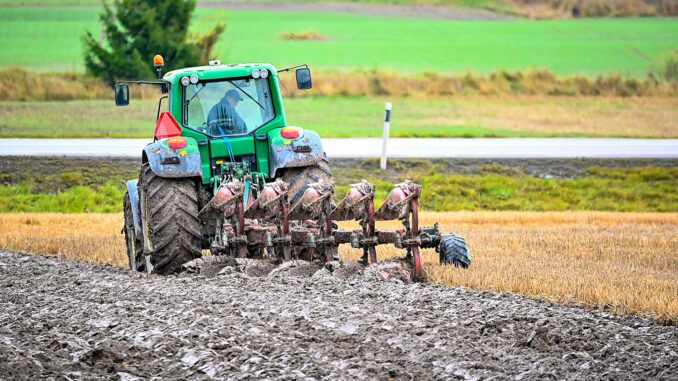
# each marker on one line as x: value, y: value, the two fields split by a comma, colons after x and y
x: 82, y: 185
x: 535, y: 116
x: 495, y: 187
x: 621, y: 262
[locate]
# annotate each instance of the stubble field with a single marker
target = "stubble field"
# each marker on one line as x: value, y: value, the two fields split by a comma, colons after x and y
x: 621, y: 262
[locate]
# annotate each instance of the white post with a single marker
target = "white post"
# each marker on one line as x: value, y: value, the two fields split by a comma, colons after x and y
x: 387, y: 125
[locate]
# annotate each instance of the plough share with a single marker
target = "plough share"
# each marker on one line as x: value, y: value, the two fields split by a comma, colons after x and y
x: 256, y: 220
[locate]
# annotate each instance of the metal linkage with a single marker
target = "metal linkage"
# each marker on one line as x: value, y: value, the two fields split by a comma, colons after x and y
x: 267, y: 223
x: 403, y: 204
x: 359, y: 205
x: 227, y: 208
x: 272, y: 204
x: 316, y: 205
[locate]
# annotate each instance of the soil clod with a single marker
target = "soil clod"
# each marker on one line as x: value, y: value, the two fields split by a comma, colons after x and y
x: 231, y: 319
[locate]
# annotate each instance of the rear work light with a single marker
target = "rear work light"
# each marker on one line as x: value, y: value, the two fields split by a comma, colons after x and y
x: 177, y: 143
x: 290, y: 132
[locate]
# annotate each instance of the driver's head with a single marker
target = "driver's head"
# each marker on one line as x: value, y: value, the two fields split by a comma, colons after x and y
x: 233, y: 97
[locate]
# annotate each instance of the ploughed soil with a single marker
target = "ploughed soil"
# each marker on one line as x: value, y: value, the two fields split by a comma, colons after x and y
x: 49, y: 174
x: 370, y: 9
x: 229, y: 319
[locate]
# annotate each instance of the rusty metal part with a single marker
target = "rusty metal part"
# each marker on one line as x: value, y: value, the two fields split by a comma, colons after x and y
x: 260, y: 236
x: 227, y: 204
x: 240, y: 239
x: 398, y: 206
x: 311, y: 204
x: 369, y: 227
x: 354, y: 205
x: 223, y: 203
x: 416, y: 258
x: 270, y: 202
x: 308, y: 225
x: 359, y: 205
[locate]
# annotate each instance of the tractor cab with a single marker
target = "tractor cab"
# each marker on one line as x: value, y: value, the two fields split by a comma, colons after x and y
x: 233, y: 112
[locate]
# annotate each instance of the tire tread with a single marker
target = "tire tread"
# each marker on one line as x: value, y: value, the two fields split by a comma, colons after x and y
x: 174, y: 229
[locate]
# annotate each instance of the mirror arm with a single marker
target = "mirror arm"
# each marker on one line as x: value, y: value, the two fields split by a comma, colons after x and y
x: 163, y: 85
x: 293, y: 67
x: 157, y: 117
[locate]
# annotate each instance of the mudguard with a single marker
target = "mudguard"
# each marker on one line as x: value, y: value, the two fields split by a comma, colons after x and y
x: 301, y: 152
x: 134, y: 200
x: 168, y: 162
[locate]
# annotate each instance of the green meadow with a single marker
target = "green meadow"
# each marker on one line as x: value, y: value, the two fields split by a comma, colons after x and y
x: 330, y: 117
x: 48, y: 39
x: 464, y: 3
x: 97, y: 185
x: 362, y: 116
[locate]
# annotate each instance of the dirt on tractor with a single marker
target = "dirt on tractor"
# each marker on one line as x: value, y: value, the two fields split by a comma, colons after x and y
x: 236, y: 319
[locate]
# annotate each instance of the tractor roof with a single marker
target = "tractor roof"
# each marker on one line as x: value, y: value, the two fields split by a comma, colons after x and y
x: 218, y: 71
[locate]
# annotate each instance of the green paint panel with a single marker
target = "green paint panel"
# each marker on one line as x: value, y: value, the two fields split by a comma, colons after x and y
x: 275, y: 139
x: 191, y: 145
x: 244, y: 145
x: 241, y: 146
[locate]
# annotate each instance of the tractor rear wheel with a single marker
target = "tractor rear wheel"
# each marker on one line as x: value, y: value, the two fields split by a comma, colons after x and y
x: 298, y: 178
x: 135, y: 246
x: 170, y: 224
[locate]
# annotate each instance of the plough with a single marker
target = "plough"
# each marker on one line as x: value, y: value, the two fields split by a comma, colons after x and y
x: 247, y: 225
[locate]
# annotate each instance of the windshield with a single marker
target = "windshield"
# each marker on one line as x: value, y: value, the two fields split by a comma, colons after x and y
x: 228, y: 107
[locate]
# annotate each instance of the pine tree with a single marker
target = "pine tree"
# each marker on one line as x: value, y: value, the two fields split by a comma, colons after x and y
x: 137, y: 30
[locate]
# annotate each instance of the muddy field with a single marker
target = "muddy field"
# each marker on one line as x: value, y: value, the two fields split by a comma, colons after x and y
x: 53, y: 173
x: 67, y: 319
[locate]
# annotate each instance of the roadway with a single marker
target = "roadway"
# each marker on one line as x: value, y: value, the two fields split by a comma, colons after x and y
x: 397, y: 147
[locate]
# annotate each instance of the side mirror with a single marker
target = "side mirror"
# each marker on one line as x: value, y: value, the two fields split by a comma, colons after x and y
x: 304, y: 78
x: 121, y: 95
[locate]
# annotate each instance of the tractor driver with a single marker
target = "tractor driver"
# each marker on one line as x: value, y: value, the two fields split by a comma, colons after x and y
x: 223, y: 119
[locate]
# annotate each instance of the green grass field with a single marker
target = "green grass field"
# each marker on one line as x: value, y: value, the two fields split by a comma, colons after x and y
x: 485, y: 4
x: 464, y: 3
x: 349, y: 117
x: 45, y: 3
x: 46, y: 38
x: 97, y: 185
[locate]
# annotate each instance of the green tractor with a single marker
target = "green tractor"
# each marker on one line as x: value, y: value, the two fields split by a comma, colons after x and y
x: 226, y: 173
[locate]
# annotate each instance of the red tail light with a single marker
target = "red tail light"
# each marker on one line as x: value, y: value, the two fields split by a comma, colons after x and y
x: 177, y: 143
x: 290, y: 132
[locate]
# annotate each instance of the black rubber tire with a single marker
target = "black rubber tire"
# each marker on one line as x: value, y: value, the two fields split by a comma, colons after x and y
x: 169, y: 216
x: 134, y: 244
x: 453, y: 250
x: 298, y: 178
